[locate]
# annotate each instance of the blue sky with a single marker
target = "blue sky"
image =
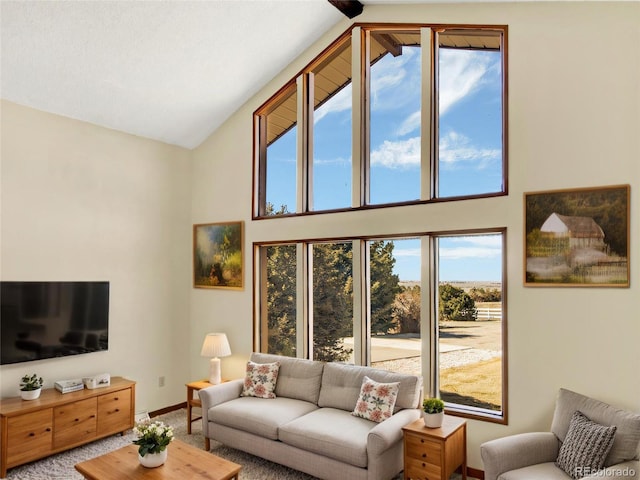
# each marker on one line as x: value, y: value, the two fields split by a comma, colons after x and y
x: 469, y: 151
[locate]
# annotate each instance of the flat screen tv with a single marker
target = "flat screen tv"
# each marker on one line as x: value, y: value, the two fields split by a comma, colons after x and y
x: 52, y: 319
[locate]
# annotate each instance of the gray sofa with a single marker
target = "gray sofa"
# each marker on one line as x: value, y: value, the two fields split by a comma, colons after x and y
x: 532, y: 456
x: 309, y: 426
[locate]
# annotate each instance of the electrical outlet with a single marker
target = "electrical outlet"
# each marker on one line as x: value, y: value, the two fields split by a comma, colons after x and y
x: 161, y: 381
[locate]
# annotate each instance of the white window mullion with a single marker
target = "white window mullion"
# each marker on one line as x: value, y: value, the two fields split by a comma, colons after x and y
x: 428, y: 116
x: 361, y: 305
x: 304, y: 298
x: 360, y: 116
x: 429, y: 315
x: 304, y: 145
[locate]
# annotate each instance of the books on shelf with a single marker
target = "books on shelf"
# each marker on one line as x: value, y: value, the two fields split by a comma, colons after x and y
x: 67, y: 386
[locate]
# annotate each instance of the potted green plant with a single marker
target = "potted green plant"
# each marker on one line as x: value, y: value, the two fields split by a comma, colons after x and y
x: 30, y: 386
x: 153, y: 440
x: 433, y: 409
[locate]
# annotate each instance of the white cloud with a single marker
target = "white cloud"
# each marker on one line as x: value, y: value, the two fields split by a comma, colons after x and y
x: 410, y: 124
x: 455, y: 148
x: 401, y: 154
x: 461, y: 73
x: 460, y: 248
x: 340, y: 102
x: 406, y: 252
x: 460, y: 253
x: 331, y: 161
x: 480, y: 246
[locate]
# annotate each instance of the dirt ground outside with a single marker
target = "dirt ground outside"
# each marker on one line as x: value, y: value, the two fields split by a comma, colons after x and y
x: 470, y: 360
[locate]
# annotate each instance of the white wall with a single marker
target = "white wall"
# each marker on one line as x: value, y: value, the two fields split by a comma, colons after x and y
x: 81, y: 202
x: 574, y: 121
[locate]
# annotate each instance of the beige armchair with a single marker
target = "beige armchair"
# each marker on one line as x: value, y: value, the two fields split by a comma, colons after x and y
x: 532, y: 456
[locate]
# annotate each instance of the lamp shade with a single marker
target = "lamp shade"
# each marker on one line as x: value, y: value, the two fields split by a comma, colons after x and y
x: 215, y: 345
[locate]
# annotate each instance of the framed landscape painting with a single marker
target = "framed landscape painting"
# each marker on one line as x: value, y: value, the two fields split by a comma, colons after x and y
x: 577, y: 237
x: 217, y: 255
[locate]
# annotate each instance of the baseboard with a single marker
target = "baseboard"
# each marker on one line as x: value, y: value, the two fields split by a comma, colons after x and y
x: 475, y: 473
x: 171, y: 408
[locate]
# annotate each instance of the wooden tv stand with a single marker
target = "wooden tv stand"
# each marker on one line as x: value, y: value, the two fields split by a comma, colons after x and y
x: 34, y: 429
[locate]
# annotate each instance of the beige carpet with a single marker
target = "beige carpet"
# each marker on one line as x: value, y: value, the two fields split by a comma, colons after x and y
x: 60, y: 466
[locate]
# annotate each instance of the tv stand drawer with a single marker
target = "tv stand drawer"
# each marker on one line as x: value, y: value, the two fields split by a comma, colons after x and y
x: 56, y: 422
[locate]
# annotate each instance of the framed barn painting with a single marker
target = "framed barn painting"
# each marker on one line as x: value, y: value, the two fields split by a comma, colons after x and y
x: 217, y: 255
x: 577, y: 237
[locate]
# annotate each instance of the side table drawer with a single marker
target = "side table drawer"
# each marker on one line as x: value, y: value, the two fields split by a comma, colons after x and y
x: 422, y: 449
x: 417, y: 470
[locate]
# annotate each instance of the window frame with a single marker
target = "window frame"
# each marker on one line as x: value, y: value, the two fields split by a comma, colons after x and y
x: 361, y: 310
x: 358, y: 33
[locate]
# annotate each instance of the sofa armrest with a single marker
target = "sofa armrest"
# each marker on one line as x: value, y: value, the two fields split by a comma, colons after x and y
x: 387, y: 433
x: 627, y: 470
x: 217, y: 394
x: 518, y: 451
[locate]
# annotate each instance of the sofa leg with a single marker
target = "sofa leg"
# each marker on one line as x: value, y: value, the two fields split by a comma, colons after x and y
x: 207, y: 444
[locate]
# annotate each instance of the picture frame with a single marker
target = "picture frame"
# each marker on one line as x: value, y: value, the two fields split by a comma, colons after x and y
x: 218, y: 256
x: 577, y: 237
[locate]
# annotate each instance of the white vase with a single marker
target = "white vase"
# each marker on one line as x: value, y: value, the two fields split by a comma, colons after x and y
x: 433, y: 420
x: 30, y: 394
x: 153, y: 460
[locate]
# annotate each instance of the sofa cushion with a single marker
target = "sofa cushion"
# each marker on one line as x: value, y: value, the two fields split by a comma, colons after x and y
x: 341, y: 386
x: 260, y: 380
x: 260, y: 416
x: 297, y: 378
x: 627, y: 438
x: 546, y: 471
x: 376, y: 400
x: 585, y: 447
x: 330, y: 432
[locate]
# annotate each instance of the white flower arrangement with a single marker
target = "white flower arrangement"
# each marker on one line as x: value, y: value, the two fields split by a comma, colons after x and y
x: 153, y: 437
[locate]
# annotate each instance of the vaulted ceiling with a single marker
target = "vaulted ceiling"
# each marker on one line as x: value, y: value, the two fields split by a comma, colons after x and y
x: 172, y: 71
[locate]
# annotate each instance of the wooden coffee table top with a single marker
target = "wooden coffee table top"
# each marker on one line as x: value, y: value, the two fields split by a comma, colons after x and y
x: 183, y: 461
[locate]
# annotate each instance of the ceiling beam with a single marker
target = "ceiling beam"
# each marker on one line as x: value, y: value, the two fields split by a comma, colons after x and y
x: 387, y: 41
x: 351, y: 8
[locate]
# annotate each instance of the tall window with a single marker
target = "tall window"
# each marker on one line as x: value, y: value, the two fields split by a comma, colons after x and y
x: 466, y: 326
x: 395, y: 113
x: 470, y: 321
x: 420, y: 133
x: 469, y: 74
x: 278, y: 159
x: 389, y: 116
x: 279, y: 297
x: 332, y: 301
x: 331, y: 139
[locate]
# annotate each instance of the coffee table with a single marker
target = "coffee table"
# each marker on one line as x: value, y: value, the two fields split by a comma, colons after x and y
x: 184, y: 461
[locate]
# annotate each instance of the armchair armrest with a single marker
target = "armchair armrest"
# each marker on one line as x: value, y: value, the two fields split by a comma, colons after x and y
x: 387, y: 433
x: 518, y: 451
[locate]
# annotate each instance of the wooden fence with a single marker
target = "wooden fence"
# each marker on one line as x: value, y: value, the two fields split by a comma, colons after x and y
x: 489, y: 313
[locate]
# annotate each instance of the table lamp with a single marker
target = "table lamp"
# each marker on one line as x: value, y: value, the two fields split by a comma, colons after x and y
x: 215, y: 345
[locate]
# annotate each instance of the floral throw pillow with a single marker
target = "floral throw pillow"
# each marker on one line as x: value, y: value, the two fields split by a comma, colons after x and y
x: 376, y: 400
x: 260, y: 380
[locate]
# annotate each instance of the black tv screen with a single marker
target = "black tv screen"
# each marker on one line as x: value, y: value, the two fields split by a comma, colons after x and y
x: 52, y: 319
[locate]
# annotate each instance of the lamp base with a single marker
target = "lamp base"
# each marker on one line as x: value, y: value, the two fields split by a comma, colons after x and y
x: 215, y: 376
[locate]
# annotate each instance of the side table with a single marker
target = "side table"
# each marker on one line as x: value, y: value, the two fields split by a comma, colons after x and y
x: 194, y: 400
x: 435, y: 453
